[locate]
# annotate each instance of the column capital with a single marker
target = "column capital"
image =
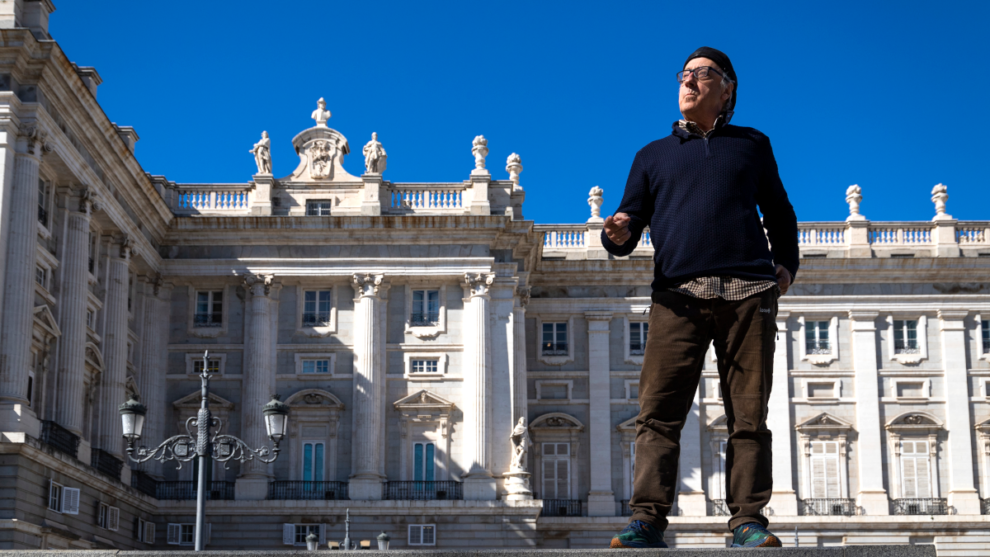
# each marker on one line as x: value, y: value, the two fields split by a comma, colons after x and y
x: 478, y: 284
x: 952, y: 319
x: 124, y: 243
x: 35, y: 139
x: 88, y: 201
x: 523, y: 292
x: 861, y: 315
x: 259, y: 285
x: 368, y: 286
x: 162, y: 288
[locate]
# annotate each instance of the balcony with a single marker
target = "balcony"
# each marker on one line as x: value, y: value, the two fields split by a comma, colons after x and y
x: 422, y: 491
x: 144, y: 483
x: 183, y: 491
x: 58, y: 437
x: 309, y: 491
x: 828, y: 507
x: 106, y: 463
x: 561, y: 507
x: 929, y: 506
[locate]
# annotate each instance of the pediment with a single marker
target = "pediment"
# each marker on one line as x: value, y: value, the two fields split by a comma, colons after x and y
x: 192, y: 400
x: 628, y: 425
x: 43, y: 317
x: 312, y: 398
x: 321, y: 153
x: 131, y: 386
x: 983, y: 425
x: 94, y: 356
x: 423, y: 400
x: 914, y: 421
x: 824, y: 421
x: 557, y: 420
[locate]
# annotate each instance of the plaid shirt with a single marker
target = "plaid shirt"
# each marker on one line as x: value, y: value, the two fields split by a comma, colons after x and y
x: 725, y: 287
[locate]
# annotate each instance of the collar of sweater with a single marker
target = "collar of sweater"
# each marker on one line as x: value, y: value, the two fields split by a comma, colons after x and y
x: 690, y: 128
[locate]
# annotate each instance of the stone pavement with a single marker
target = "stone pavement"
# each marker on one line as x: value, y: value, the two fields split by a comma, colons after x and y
x: 849, y: 551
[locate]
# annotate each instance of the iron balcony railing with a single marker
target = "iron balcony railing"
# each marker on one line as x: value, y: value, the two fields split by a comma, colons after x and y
x: 58, y: 437
x: 144, y: 483
x: 718, y: 507
x: 828, y: 507
x: 624, y: 508
x: 106, y: 463
x: 303, y: 490
x: 925, y: 506
x: 43, y: 216
x: 422, y: 490
x: 218, y: 491
x: 561, y: 507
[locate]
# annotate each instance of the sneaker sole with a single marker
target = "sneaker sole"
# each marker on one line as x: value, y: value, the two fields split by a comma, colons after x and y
x: 617, y: 544
x: 771, y: 541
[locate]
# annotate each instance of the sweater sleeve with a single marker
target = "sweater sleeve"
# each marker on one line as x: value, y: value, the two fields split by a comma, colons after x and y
x: 638, y: 203
x: 778, y: 214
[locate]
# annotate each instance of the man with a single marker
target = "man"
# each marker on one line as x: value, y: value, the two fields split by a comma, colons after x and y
x: 715, y: 280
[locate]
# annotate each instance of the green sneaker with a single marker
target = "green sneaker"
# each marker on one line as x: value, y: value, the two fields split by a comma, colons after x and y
x: 637, y: 535
x: 753, y: 535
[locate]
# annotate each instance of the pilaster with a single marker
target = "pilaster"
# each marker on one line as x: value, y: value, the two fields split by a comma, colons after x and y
x: 369, y: 400
x: 503, y: 337
x: 520, y: 402
x: 872, y: 496
x: 477, y: 408
x: 8, y: 150
x: 691, y: 498
x: 112, y: 381
x: 601, y: 499
x: 154, y: 351
x: 783, y: 498
x: 958, y: 418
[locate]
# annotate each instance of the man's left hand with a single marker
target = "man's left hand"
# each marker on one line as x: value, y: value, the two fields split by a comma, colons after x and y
x: 783, y: 279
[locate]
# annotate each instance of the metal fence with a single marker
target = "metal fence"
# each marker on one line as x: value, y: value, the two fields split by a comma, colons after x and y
x: 218, y: 491
x: 561, y: 507
x: 144, y: 483
x: 422, y: 490
x: 303, y: 490
x: 106, y: 463
x: 928, y: 506
x: 828, y: 507
x: 58, y: 437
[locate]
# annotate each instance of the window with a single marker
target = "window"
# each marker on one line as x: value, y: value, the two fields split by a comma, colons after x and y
x: 422, y: 534
x: 30, y: 388
x: 144, y: 530
x: 632, y: 390
x: 55, y: 497
x: 719, y: 480
x: 556, y: 470
x: 62, y: 499
x: 108, y: 517
x: 825, y: 470
x: 209, y: 309
x: 90, y: 318
x: 632, y: 468
x: 41, y: 276
x: 425, y: 308
x: 555, y: 339
x: 816, y: 339
x: 318, y: 208
x: 213, y: 366
x: 295, y: 534
x: 312, y: 465
x: 43, y: 202
x: 316, y: 308
x: 316, y: 366
x: 824, y: 389
x: 906, y: 336
x: 303, y: 530
x: 185, y: 534
x: 985, y: 335
x: 424, y: 462
x: 916, y: 474
x: 637, y: 338
x: 425, y: 366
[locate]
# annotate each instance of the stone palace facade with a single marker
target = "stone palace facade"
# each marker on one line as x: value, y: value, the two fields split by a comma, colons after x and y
x: 409, y: 327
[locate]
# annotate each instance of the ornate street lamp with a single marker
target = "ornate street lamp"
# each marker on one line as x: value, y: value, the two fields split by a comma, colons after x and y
x: 312, y: 541
x: 200, y: 443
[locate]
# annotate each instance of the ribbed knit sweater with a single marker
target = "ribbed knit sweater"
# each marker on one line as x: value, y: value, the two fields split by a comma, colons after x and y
x: 699, y: 196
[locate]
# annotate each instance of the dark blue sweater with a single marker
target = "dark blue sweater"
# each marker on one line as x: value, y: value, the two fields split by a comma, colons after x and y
x: 699, y: 196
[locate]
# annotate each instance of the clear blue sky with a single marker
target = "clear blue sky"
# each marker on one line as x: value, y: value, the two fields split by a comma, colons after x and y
x: 890, y: 96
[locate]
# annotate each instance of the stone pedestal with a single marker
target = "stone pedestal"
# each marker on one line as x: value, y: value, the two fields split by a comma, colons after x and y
x: 944, y: 236
x: 480, y: 179
x: 692, y: 503
x: 593, y: 240
x: 250, y: 489
x: 479, y: 488
x: 601, y: 503
x: 858, y: 237
x: 261, y: 197
x: 517, y: 487
x: 371, y: 197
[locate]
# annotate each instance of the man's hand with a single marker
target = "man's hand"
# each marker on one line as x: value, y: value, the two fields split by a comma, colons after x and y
x: 783, y: 279
x: 617, y: 228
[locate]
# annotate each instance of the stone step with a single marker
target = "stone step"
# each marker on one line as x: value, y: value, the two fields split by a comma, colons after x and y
x: 848, y: 551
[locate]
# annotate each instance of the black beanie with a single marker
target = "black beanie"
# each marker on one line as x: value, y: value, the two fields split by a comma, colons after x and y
x: 723, y: 62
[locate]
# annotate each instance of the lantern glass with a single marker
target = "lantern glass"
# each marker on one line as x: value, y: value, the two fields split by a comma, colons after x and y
x: 276, y: 425
x: 133, y: 425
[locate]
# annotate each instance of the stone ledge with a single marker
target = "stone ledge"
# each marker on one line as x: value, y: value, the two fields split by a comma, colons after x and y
x: 849, y: 551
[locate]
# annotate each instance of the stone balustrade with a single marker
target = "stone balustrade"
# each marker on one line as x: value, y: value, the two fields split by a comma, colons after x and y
x: 426, y: 198
x: 209, y: 199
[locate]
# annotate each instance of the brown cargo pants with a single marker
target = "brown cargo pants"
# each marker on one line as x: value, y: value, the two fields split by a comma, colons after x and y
x: 681, y: 327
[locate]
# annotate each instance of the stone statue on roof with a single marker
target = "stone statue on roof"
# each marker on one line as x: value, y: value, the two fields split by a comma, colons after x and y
x: 374, y: 156
x: 262, y: 151
x: 321, y: 114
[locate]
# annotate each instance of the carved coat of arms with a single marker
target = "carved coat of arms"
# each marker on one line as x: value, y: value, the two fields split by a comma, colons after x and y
x: 321, y: 159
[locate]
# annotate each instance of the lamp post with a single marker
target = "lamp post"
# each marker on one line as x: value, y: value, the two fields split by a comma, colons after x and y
x: 201, y: 443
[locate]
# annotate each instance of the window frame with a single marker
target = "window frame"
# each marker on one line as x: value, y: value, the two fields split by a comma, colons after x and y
x: 823, y: 359
x: 310, y: 203
x: 556, y: 458
x: 54, y: 487
x: 426, y: 331
x: 425, y: 460
x: 928, y: 457
x: 628, y: 355
x: 982, y: 338
x: 921, y: 334
x: 322, y: 470
x: 629, y: 386
x: 316, y: 330
x: 46, y: 205
x: 824, y: 456
x: 193, y: 358
x: 197, y: 330
x: 836, y: 389
x: 567, y: 383
x: 555, y: 359
x: 302, y: 357
x: 442, y: 365
x: 421, y: 528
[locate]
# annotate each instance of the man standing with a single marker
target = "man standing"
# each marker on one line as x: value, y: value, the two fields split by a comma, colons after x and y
x: 715, y: 281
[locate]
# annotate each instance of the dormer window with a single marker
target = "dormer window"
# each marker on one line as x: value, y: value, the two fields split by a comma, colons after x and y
x: 318, y: 208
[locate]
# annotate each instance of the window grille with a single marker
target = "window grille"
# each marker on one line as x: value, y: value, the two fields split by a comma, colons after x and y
x: 425, y: 366
x: 212, y: 367
x: 41, y: 276
x: 422, y: 534
x: 985, y: 334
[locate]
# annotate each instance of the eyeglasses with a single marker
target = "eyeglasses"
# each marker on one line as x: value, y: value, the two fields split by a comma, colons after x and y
x: 701, y: 72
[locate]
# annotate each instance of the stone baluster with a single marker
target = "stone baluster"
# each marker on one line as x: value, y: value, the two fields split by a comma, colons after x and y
x: 73, y: 302
x: 784, y: 498
x: 112, y: 381
x: 16, y: 323
x: 476, y: 406
x: 872, y: 496
x: 258, y: 384
x: 601, y: 499
x: 154, y: 351
x: 369, y: 400
x: 963, y: 496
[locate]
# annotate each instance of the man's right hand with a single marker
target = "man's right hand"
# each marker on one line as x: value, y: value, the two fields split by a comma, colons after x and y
x: 617, y: 228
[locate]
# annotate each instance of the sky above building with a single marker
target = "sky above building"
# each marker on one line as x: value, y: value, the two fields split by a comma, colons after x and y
x: 889, y: 96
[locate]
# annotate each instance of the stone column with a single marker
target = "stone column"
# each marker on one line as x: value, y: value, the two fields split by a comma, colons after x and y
x: 520, y: 400
x: 8, y: 148
x: 16, y: 323
x: 70, y: 370
x: 258, y: 383
x: 784, y: 498
x: 691, y: 491
x: 503, y: 300
x: 154, y: 353
x: 112, y: 382
x: 369, y: 400
x: 872, y: 496
x: 477, y: 402
x: 958, y: 421
x: 601, y: 499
